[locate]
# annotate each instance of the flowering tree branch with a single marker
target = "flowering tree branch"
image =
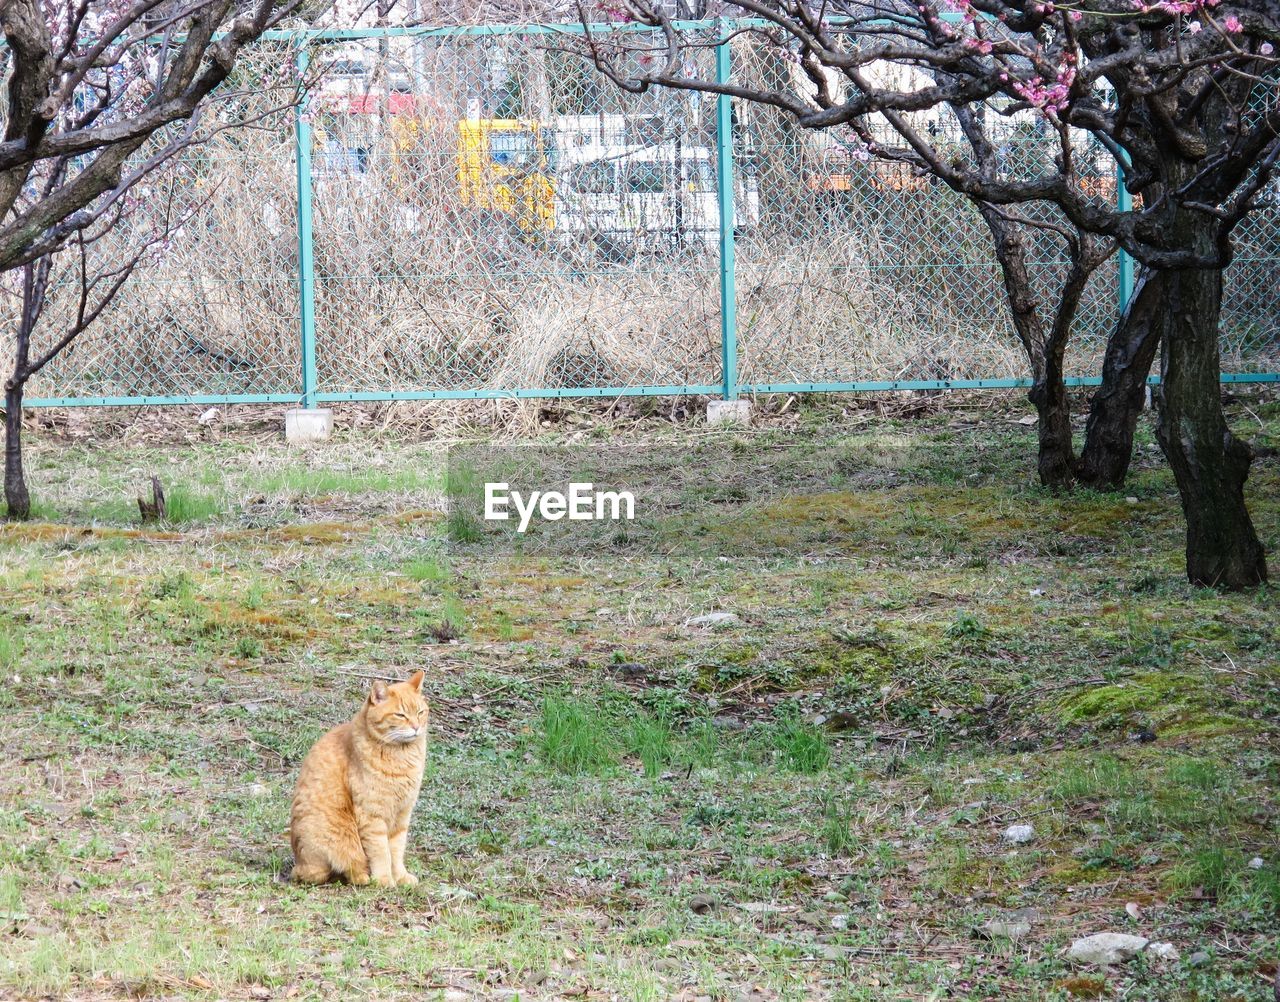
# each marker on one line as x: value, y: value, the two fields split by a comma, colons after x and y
x: 1136, y: 79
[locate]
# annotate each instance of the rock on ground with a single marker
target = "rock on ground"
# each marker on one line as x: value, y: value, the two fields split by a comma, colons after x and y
x: 1106, y: 948
x: 713, y: 619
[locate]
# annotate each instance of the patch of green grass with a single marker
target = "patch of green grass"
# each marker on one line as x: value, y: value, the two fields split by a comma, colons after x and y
x: 1096, y: 777
x: 651, y: 740
x: 176, y: 584
x: 576, y: 737
x: 1215, y: 871
x: 837, y: 832
x: 10, y: 894
x: 428, y: 569
x: 312, y: 481
x: 11, y: 646
x: 798, y: 746
x: 184, y: 506
x: 967, y: 626
x: 1211, y: 870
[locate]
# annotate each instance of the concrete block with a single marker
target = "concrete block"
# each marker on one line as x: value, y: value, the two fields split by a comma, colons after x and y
x: 728, y: 412
x: 307, y: 424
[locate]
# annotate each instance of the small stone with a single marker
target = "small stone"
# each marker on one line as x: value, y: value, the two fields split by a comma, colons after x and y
x: 1134, y: 910
x: 1013, y: 928
x: 68, y: 883
x: 765, y: 908
x: 1019, y: 834
x: 702, y: 904
x: 1199, y: 959
x: 1106, y: 948
x: 259, y: 790
x: 1256, y: 863
x: 1164, y: 951
x: 1131, y: 500
x: 839, y: 921
x: 842, y: 720
x: 713, y: 620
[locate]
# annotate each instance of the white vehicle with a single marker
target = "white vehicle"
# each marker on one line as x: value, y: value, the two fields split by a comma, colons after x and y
x: 623, y: 183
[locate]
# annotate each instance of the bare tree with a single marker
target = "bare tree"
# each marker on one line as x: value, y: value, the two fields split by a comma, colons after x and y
x: 99, y: 97
x: 1180, y: 93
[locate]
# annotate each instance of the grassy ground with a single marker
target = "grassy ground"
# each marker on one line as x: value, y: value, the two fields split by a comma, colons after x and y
x: 805, y: 803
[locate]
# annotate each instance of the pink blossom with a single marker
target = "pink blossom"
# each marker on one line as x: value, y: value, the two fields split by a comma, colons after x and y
x: 1266, y: 48
x: 1232, y: 24
x: 1194, y: 27
x: 1050, y: 97
x: 616, y: 13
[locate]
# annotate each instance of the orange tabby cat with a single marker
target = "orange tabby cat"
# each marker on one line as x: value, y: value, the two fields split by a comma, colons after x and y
x: 357, y: 788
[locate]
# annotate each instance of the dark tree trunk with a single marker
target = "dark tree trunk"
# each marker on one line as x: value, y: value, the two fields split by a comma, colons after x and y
x: 1209, y: 463
x: 1118, y: 402
x: 35, y: 282
x: 16, y: 496
x: 1053, y: 409
x: 1045, y: 348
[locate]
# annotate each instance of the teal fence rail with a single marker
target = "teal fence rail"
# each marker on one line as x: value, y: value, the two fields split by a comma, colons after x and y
x: 472, y: 213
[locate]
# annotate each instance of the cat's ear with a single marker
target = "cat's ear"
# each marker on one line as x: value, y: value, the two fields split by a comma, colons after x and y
x: 415, y: 680
x: 377, y: 691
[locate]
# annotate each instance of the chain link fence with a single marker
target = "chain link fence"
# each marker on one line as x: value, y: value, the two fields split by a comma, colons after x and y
x: 475, y: 212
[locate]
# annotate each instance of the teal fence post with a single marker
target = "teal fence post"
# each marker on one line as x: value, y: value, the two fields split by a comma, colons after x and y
x: 1124, y: 202
x: 306, y: 244
x: 724, y: 194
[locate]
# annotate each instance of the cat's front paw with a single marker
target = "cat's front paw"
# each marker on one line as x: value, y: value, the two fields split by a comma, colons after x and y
x: 407, y: 879
x: 385, y: 880
x: 359, y: 879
